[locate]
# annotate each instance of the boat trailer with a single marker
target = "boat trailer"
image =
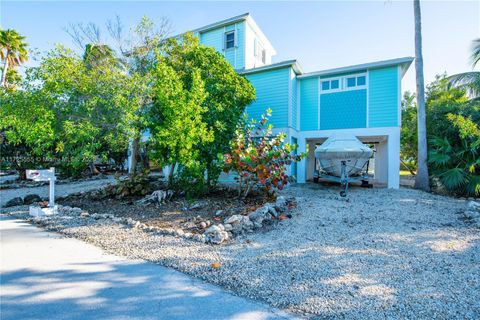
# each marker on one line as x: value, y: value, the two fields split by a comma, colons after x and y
x: 344, y: 179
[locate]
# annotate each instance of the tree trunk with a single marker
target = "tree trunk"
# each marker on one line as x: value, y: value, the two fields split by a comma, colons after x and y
x: 132, y: 168
x: 5, y: 69
x: 421, y: 179
x: 93, y: 169
x: 170, y: 175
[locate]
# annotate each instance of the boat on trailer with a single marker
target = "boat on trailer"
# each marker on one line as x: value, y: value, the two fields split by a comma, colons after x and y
x: 343, y: 159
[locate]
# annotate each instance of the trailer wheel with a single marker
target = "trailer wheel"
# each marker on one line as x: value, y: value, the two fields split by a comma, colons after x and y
x: 315, y: 180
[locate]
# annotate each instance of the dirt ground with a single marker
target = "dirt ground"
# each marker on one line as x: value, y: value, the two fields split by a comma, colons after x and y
x: 181, y: 212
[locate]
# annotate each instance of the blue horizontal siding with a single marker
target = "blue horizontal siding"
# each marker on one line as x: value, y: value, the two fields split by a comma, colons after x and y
x: 271, y: 89
x: 383, y: 97
x: 309, y: 104
x: 293, y: 99
x: 343, y: 110
x: 215, y: 38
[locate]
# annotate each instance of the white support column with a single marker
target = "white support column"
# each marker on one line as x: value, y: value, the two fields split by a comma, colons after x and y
x: 394, y: 160
x: 381, y: 162
x: 301, y: 169
x: 310, y: 160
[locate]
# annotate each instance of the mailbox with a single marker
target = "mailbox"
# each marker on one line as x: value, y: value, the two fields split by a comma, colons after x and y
x: 41, y: 175
x: 44, y: 175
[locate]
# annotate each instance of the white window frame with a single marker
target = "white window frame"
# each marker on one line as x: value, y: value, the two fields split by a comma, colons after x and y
x: 356, y: 87
x: 234, y: 39
x: 330, y: 80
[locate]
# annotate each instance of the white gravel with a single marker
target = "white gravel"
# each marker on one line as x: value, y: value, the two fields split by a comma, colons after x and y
x: 380, y: 254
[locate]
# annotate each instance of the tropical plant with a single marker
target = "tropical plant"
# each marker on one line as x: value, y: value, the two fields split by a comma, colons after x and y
x: 258, y: 156
x: 422, y: 177
x: 228, y: 93
x: 408, y: 133
x: 470, y: 81
x: 135, y: 51
x: 176, y: 118
x: 457, y: 165
x: 71, y: 110
x: 13, y: 52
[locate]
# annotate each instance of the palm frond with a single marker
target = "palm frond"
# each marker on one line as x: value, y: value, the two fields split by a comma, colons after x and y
x: 475, y: 51
x: 468, y: 81
x: 438, y: 158
x: 473, y: 185
x: 453, y: 178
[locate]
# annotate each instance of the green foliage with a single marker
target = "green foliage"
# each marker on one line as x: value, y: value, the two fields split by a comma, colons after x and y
x: 259, y: 157
x: 457, y: 165
x: 176, y: 117
x: 228, y: 93
x: 70, y: 109
x: 452, y: 124
x: 191, y: 181
x: 408, y: 135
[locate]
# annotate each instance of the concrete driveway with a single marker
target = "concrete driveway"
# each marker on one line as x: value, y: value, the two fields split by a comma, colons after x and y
x: 47, y: 276
x: 60, y: 189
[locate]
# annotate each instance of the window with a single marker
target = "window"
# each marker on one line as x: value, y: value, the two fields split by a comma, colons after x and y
x: 325, y: 85
x: 361, y: 81
x: 331, y: 84
x: 229, y: 39
x: 351, y: 82
x: 356, y: 81
x: 334, y: 84
x: 263, y: 56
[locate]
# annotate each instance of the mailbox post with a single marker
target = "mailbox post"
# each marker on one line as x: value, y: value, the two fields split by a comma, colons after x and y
x: 44, y: 175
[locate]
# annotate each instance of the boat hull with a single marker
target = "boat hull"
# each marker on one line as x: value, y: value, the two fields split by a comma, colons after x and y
x: 347, y: 149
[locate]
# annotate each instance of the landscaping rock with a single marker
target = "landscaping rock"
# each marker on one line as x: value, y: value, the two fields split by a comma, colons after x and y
x: 197, y: 205
x: 281, y: 203
x: 84, y: 214
x: 31, y: 198
x: 259, y: 215
x: 239, y: 223
x: 202, y: 224
x: 271, y: 209
x: 17, y: 201
x: 215, y: 235
x: 219, y: 212
x: 474, y: 206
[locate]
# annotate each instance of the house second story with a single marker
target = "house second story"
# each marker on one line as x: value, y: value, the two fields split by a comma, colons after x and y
x: 240, y: 40
x: 359, y: 96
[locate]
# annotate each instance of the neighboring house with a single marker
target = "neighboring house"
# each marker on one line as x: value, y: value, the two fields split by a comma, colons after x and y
x: 362, y: 99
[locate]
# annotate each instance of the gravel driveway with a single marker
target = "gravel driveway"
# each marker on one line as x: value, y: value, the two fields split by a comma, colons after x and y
x: 380, y: 254
x: 60, y: 189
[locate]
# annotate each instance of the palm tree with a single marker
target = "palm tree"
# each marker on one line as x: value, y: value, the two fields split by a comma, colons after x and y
x: 421, y: 179
x: 98, y: 54
x: 13, y: 51
x: 470, y: 81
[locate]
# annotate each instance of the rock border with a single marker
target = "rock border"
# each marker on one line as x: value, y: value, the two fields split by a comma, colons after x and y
x: 215, y: 234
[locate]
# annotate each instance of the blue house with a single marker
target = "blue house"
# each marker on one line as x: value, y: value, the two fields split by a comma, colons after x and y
x: 362, y: 99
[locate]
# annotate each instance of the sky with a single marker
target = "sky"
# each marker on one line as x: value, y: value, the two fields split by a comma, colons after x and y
x: 319, y: 34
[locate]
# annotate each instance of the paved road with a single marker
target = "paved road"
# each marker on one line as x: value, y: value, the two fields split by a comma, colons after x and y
x: 60, y: 189
x: 47, y: 276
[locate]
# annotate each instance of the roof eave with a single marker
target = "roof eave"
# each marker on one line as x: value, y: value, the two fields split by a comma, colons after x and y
x: 222, y: 23
x: 288, y: 63
x: 404, y: 62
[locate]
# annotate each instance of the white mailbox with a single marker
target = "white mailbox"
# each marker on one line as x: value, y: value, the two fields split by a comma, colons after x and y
x: 44, y: 175
x: 41, y: 175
